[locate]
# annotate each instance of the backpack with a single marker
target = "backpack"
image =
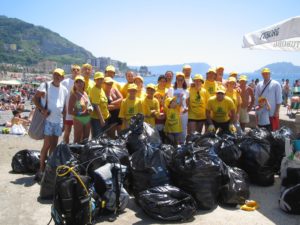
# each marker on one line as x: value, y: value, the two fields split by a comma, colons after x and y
x: 72, y: 203
x: 108, y: 184
x: 290, y: 200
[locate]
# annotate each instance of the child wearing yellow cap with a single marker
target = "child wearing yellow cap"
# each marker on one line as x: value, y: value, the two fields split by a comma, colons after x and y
x: 150, y: 105
x: 130, y: 106
x: 173, y: 127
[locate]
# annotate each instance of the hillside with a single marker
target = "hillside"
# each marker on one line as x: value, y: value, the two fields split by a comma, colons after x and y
x: 196, y: 68
x: 25, y: 43
x: 282, y: 68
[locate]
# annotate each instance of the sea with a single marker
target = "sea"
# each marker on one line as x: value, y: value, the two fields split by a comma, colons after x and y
x: 252, y: 76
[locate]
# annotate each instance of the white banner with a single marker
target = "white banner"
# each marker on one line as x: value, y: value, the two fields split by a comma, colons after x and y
x: 281, y: 36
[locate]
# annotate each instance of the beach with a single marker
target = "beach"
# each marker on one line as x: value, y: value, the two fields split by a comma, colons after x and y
x: 21, y: 204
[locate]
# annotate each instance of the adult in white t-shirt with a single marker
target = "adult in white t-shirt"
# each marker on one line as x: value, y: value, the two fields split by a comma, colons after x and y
x: 187, y: 71
x: 56, y: 95
x: 180, y: 89
x: 69, y: 83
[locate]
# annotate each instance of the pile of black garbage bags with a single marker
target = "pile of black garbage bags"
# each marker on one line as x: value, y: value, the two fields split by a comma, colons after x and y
x: 170, y: 183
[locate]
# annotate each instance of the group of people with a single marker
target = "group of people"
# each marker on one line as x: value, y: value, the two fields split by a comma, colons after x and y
x: 93, y: 103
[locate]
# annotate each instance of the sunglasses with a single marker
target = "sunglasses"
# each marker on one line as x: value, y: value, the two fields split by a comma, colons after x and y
x: 180, y: 79
x: 75, y: 69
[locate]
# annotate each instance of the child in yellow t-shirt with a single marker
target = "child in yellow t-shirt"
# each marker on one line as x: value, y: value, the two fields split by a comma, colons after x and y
x: 173, y: 127
x: 150, y: 105
x: 130, y: 106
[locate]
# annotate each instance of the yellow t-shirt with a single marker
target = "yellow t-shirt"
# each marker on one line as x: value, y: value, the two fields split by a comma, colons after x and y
x: 117, y: 85
x: 173, y: 121
x: 89, y: 84
x: 197, y: 104
x: 169, y: 85
x: 129, y: 108
x: 220, y: 109
x: 98, y: 97
x: 235, y: 97
x: 124, y: 90
x: 148, y: 105
x: 210, y: 87
x: 141, y: 95
x: 162, y: 91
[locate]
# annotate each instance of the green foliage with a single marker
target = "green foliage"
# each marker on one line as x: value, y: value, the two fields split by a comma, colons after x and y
x: 35, y: 43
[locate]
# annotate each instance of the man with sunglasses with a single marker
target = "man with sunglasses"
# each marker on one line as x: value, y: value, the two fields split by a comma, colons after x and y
x: 68, y: 83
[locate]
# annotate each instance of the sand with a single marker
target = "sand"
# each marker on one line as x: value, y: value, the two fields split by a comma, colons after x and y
x: 20, y: 204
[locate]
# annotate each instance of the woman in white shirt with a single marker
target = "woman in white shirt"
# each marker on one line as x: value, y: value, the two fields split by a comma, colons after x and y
x: 180, y: 89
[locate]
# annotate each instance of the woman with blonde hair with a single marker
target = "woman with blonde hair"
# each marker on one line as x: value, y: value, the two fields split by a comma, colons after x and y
x: 80, y: 107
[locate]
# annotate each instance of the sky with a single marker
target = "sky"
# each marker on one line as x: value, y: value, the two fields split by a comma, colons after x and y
x: 162, y: 32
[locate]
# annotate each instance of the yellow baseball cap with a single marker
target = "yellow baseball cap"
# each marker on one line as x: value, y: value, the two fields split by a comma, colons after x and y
x: 59, y: 71
x: 220, y: 89
x: 169, y: 100
x: 98, y: 75
x: 152, y: 86
x: 186, y: 66
x: 139, y: 77
x: 211, y: 70
x: 231, y: 79
x: 243, y: 77
x: 233, y: 74
x: 108, y: 80
x: 198, y: 77
x: 110, y: 68
x: 132, y: 87
x: 79, y: 77
x: 179, y: 74
x: 220, y: 68
x: 87, y: 65
x: 265, y: 70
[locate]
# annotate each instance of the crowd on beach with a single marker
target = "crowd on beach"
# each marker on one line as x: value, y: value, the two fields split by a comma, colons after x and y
x: 177, y: 105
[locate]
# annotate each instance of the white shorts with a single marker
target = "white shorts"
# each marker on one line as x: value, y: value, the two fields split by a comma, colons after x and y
x: 244, y: 116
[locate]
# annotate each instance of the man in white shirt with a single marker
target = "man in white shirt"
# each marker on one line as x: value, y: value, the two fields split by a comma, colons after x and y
x: 187, y: 70
x: 68, y: 83
x: 271, y: 90
x: 55, y: 95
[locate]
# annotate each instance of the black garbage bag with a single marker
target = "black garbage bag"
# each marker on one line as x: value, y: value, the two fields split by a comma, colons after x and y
x: 148, y: 169
x: 258, y: 160
x: 26, y: 161
x: 97, y: 153
x: 229, y: 151
x: 167, y: 152
x: 140, y: 134
x: 60, y: 156
x: 236, y: 191
x: 278, y: 144
x: 262, y: 134
x: 167, y: 203
x: 199, y: 172
x: 205, y: 140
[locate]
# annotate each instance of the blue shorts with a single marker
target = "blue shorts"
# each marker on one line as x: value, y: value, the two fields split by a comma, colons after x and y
x: 52, y: 129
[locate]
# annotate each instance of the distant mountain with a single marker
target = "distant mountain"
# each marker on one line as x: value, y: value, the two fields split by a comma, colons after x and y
x: 26, y: 44
x: 281, y: 68
x: 196, y: 68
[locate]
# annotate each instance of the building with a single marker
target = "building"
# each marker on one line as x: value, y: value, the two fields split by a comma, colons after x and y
x: 46, y: 66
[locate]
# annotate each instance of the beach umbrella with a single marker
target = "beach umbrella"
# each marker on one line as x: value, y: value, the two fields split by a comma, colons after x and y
x: 10, y: 82
x: 284, y: 35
